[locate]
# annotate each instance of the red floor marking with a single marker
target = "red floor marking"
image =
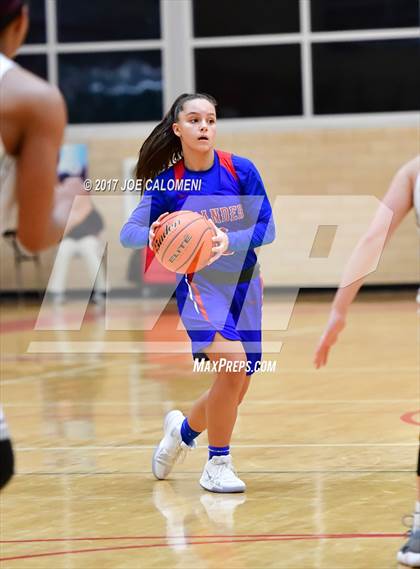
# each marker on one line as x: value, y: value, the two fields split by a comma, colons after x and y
x: 154, y: 545
x: 211, y: 536
x: 408, y: 417
x: 227, y: 539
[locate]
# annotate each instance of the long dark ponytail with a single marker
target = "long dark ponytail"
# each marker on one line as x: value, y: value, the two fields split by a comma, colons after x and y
x: 162, y: 147
x: 10, y: 10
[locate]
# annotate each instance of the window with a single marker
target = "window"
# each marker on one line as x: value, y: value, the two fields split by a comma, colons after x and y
x: 37, y: 26
x: 244, y: 17
x: 112, y: 86
x: 366, y: 76
x: 331, y: 15
x: 251, y: 81
x: 259, y: 58
x: 35, y: 63
x: 107, y: 20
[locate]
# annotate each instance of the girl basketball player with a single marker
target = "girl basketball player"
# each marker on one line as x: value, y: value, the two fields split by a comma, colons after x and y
x: 32, y: 120
x: 221, y: 305
x: 403, y: 194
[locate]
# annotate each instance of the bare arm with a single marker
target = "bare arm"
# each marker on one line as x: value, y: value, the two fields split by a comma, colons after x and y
x: 397, y: 202
x: 45, y: 119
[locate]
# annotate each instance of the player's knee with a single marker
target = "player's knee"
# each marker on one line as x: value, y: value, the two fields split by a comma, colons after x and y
x: 236, y: 365
x: 234, y: 373
x: 244, y: 389
x: 7, y: 462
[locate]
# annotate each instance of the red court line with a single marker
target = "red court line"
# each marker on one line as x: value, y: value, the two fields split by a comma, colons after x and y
x: 408, y: 417
x: 211, y: 536
x: 242, y: 539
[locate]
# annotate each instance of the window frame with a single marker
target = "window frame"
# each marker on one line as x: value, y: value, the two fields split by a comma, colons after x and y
x: 177, y: 45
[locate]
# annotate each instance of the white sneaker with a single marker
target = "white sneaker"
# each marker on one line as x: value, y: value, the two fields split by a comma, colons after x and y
x: 219, y: 476
x: 409, y: 554
x: 171, y: 448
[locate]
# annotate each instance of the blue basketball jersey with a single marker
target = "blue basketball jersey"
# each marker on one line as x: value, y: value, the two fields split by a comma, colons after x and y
x: 231, y: 193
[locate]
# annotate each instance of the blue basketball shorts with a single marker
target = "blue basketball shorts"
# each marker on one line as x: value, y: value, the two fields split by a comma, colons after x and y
x: 233, y: 310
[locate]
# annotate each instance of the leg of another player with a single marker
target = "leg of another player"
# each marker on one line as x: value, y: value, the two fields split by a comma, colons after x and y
x: 409, y: 554
x: 416, y: 522
x: 57, y: 282
x: 89, y: 249
x: 7, y: 463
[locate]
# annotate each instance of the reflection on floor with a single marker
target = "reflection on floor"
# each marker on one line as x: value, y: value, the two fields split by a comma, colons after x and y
x: 328, y: 456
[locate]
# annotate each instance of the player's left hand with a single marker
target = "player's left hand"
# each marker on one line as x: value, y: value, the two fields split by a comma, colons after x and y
x: 220, y: 243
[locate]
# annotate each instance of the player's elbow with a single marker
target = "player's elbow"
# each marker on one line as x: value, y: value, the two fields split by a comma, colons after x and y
x: 126, y: 237
x: 270, y: 233
x: 123, y: 238
x: 134, y: 236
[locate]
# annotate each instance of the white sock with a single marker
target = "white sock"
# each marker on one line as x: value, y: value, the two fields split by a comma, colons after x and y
x: 416, y: 522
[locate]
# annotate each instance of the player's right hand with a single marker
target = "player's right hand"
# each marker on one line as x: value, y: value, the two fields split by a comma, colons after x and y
x: 336, y: 324
x: 153, y: 228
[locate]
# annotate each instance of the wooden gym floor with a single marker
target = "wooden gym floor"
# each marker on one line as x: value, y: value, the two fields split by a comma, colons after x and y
x: 328, y: 456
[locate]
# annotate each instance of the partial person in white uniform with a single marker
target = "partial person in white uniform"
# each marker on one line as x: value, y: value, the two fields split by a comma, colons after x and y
x: 82, y: 240
x: 402, y: 195
x: 32, y: 121
x: 417, y: 210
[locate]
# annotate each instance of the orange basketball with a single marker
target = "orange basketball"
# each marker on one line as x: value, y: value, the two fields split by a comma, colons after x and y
x: 183, y: 242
